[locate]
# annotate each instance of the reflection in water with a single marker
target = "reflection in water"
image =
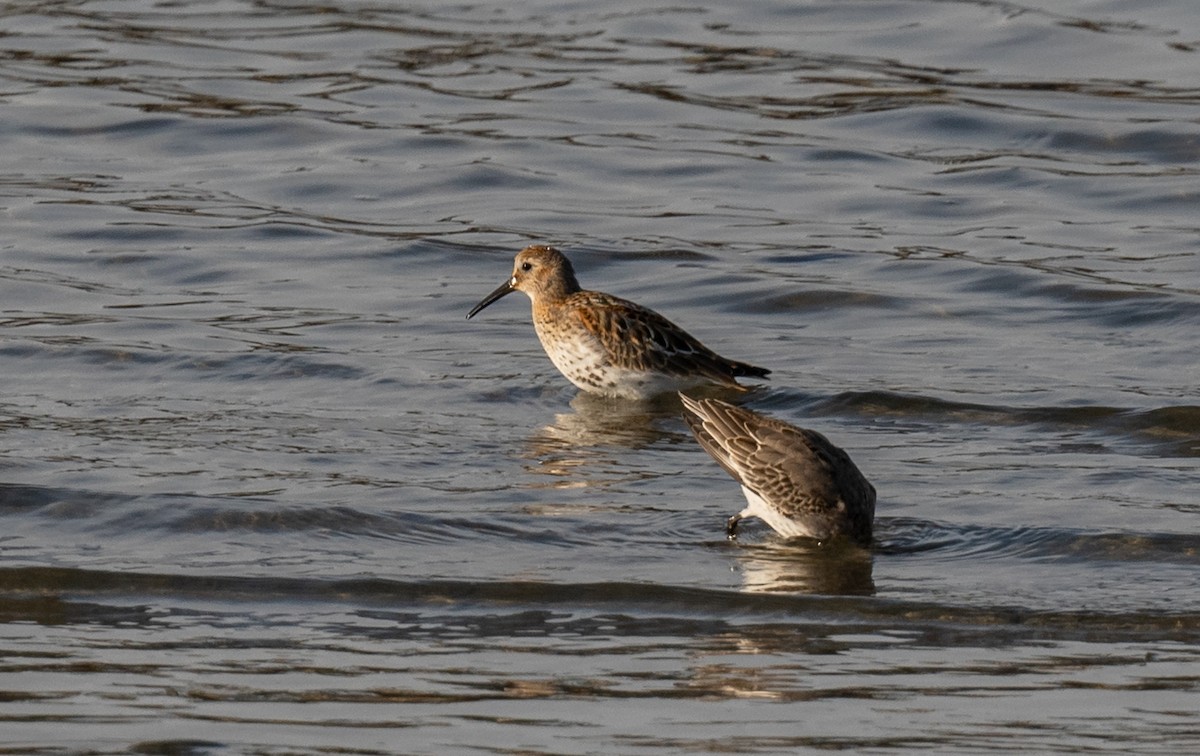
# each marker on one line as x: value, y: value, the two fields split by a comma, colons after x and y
x: 598, y: 421
x: 802, y: 565
x: 586, y: 447
x: 577, y: 448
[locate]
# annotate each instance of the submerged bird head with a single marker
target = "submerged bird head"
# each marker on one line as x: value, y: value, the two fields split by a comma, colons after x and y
x: 540, y: 272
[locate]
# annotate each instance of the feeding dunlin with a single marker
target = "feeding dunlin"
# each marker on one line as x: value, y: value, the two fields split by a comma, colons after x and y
x: 608, y: 345
x: 794, y: 479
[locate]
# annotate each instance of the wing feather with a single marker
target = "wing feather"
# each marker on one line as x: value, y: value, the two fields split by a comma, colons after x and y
x: 640, y: 338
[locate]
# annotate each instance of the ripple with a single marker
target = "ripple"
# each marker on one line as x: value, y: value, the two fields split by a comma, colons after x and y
x: 661, y: 608
x: 1175, y: 430
x: 961, y: 542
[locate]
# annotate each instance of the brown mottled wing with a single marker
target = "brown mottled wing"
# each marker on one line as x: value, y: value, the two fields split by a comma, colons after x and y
x: 641, y: 338
x: 719, y: 434
x: 796, y: 469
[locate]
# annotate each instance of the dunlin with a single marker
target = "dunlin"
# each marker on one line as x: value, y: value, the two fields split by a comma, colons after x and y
x: 608, y: 345
x: 794, y: 479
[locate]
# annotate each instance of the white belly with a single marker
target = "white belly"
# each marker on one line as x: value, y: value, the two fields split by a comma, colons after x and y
x: 780, y: 523
x: 581, y: 358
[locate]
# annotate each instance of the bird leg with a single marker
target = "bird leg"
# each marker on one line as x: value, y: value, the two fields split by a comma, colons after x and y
x: 731, y: 526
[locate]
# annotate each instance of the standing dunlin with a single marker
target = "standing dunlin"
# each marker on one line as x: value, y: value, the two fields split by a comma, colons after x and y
x: 608, y: 345
x: 794, y: 479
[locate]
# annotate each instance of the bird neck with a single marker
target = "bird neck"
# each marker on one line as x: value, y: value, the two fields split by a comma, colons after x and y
x: 561, y: 286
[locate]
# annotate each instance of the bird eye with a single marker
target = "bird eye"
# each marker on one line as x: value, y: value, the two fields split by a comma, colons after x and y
x: 526, y: 266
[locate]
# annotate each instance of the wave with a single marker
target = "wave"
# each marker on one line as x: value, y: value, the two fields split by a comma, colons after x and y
x: 82, y: 595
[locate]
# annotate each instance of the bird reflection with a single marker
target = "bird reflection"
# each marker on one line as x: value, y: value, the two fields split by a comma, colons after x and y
x: 585, y: 447
x: 599, y: 421
x: 802, y: 565
x: 602, y: 422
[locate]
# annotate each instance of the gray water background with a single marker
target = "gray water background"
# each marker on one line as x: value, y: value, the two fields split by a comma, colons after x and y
x: 263, y: 489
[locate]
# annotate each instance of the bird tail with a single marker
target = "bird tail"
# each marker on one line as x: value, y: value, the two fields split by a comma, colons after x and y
x: 746, y: 370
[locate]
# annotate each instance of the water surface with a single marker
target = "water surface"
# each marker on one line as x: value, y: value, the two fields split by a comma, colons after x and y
x: 264, y: 489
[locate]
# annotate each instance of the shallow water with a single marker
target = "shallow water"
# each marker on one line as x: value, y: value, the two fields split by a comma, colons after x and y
x: 264, y: 489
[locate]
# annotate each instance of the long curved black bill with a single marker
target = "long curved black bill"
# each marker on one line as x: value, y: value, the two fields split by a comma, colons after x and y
x: 505, y: 288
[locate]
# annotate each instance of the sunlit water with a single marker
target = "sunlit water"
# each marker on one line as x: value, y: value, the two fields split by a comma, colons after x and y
x: 264, y: 489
